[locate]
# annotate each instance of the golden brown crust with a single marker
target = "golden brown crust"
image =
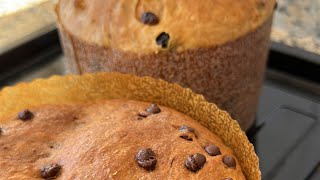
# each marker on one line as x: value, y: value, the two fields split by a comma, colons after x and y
x: 100, y: 140
x: 116, y: 23
x: 229, y: 75
x: 91, y: 87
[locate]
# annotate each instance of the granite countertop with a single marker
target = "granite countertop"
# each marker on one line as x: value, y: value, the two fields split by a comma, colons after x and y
x: 296, y: 23
x: 23, y: 20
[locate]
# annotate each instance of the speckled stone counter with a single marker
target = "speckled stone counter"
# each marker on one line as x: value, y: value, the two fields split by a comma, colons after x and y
x: 23, y: 20
x: 296, y: 23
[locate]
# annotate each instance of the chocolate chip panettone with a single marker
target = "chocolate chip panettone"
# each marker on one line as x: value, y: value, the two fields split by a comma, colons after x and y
x: 74, y: 126
x: 217, y: 48
x: 115, y: 139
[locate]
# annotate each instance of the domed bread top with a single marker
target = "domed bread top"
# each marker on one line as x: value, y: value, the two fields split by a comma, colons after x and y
x: 110, y: 140
x: 135, y: 25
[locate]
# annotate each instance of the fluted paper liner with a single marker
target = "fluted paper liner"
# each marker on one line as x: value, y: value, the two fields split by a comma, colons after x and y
x: 91, y: 87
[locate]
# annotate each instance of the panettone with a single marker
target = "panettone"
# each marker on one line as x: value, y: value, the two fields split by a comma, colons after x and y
x: 99, y: 124
x: 217, y: 48
x: 115, y: 139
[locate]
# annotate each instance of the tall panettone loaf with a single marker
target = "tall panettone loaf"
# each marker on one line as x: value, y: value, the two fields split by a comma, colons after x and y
x: 218, y: 48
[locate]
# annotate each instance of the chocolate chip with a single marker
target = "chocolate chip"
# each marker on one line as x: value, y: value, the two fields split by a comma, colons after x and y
x: 185, y: 128
x: 276, y: 5
x: 51, y: 171
x: 163, y: 40
x: 187, y: 133
x: 213, y: 150
x: 149, y: 18
x: 146, y: 159
x: 229, y: 161
x: 195, y: 162
x: 25, y: 115
x: 153, y: 109
x: 1, y: 131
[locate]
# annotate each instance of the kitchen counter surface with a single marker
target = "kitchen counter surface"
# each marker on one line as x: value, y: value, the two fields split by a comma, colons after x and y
x: 297, y: 24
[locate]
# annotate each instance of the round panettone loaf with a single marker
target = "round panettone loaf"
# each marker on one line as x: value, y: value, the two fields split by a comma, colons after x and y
x: 112, y: 139
x: 217, y: 48
x: 63, y: 118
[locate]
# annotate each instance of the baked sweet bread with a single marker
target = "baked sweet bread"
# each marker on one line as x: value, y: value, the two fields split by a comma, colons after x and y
x: 112, y: 139
x: 67, y: 91
x: 217, y: 48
